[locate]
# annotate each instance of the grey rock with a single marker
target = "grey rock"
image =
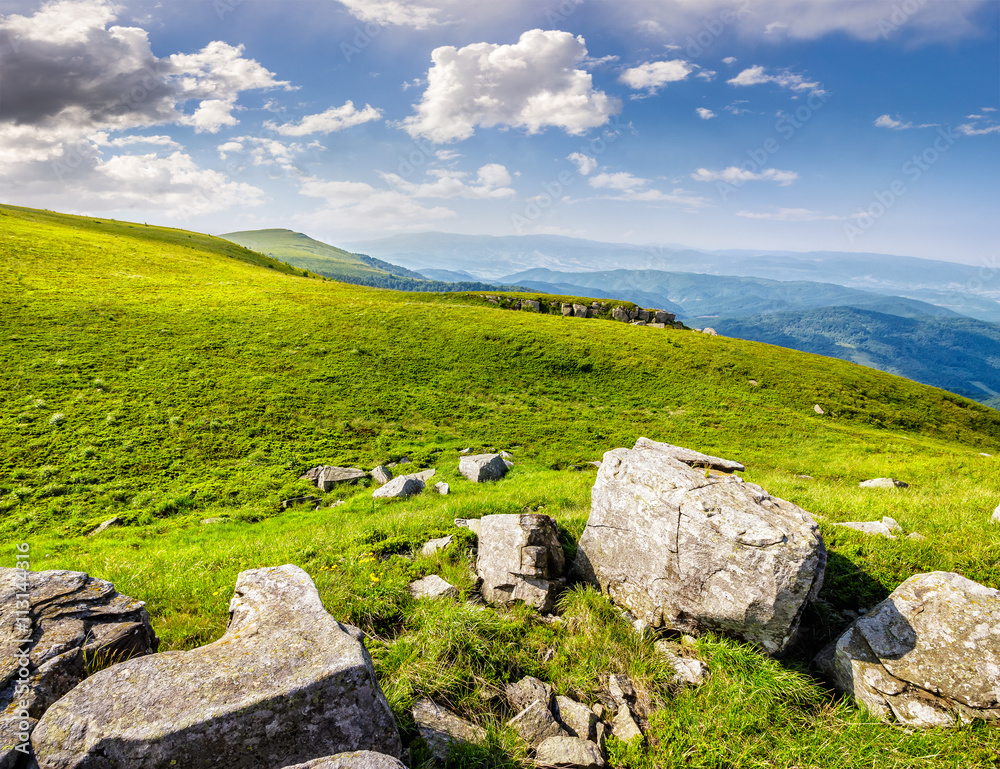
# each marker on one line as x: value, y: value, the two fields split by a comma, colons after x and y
x: 892, y: 524
x: 535, y: 724
x: 14, y: 740
x: 620, y: 314
x: 531, y: 305
x: 566, y: 310
x: 465, y: 451
x: 423, y: 475
x: 382, y: 475
x: 472, y: 524
x: 682, y: 550
x: 883, y: 483
x: 441, y: 729
x: 576, y: 718
x: 327, y: 476
x: 916, y: 536
x: 996, y: 515
x: 868, y: 527
x: 818, y: 409
x: 442, y: 488
x: 662, y: 316
x: 522, y: 693
x: 689, y: 671
x: 116, y: 521
x: 580, y: 311
x: 600, y: 731
x: 285, y: 684
x: 643, y: 315
x: 432, y: 586
x: 506, y: 455
x: 570, y: 752
x: 432, y: 546
x: 928, y: 655
x: 710, y: 331
x: 359, y: 759
x: 403, y: 486
x: 656, y: 325
x: 624, y: 726
x: 620, y: 689
x: 520, y: 559
x: 689, y: 457
x: 482, y: 467
x: 74, y: 621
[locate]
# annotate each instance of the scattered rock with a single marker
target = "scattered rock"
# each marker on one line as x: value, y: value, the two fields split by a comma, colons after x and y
x: 423, y: 475
x: 116, y: 521
x: 818, y: 409
x: 580, y: 311
x: 531, y: 305
x: 527, y: 690
x: 928, y: 655
x: 620, y: 689
x: 382, y: 475
x: 624, y: 726
x: 620, y: 314
x: 576, y: 718
x: 689, y: 671
x: 570, y: 752
x: 566, y: 310
x: 868, y: 527
x: 520, y: 559
x: 883, y: 483
x: 442, y: 488
x: 326, y: 476
x: 286, y: 683
x: 679, y: 549
x: 403, y: 486
x: 996, y: 515
x: 432, y: 586
x: 752, y: 382
x: 691, y: 458
x: 295, y: 501
x: 984, y: 454
x: 75, y: 621
x: 482, y: 467
x: 432, y: 546
x: 710, y: 331
x: 916, y: 536
x: 892, y: 524
x: 359, y: 759
x: 535, y: 724
x: 472, y: 524
x: 464, y: 451
x: 441, y: 729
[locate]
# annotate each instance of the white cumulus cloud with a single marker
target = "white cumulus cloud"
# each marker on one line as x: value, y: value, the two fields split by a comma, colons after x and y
x: 585, y: 164
x: 758, y: 75
x: 534, y: 83
x: 656, y: 74
x: 492, y: 182
x: 333, y: 119
x: 736, y: 175
x: 885, y: 121
x: 705, y: 114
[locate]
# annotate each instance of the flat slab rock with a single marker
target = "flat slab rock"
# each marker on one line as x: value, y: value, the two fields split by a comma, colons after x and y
x: 432, y: 586
x: 327, y: 476
x: 359, y: 759
x: 682, y: 550
x: 569, y: 752
x: 72, y: 616
x: 883, y: 483
x: 286, y: 683
x: 928, y: 655
x: 520, y: 559
x: 441, y: 729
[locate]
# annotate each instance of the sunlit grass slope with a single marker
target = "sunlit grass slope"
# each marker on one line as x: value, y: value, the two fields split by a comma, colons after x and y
x: 167, y: 377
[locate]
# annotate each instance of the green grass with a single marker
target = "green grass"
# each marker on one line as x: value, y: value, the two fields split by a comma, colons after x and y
x: 194, y: 379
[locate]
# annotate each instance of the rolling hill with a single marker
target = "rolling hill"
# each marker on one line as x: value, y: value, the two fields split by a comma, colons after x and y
x: 183, y: 384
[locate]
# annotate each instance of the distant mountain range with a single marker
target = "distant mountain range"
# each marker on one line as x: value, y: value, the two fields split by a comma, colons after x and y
x: 965, y: 289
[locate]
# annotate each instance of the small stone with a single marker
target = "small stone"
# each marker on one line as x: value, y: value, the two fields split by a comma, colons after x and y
x: 916, y: 536
x: 868, y: 527
x: 818, y: 409
x: 689, y: 671
x: 624, y: 726
x: 620, y: 689
x: 432, y: 546
x: 465, y: 451
x: 472, y: 524
x: 116, y: 521
x: 883, y: 483
x: 441, y: 729
x: 358, y: 759
x: 996, y: 515
x: 576, y: 718
x: 535, y: 724
x: 710, y: 331
x: 442, y: 488
x: 522, y: 693
x: 432, y: 586
x: 294, y: 501
x: 207, y: 521
x: 569, y: 752
x: 753, y: 382
x: 382, y: 475
x: 598, y: 710
x: 892, y: 524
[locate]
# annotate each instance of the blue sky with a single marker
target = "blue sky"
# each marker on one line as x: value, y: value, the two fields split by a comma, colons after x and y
x: 844, y: 125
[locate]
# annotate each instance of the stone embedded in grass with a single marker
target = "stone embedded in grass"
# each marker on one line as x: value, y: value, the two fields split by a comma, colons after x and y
x: 576, y: 718
x: 295, y: 501
x: 327, y: 476
x: 433, y: 545
x: 441, y: 729
x: 927, y: 656
x: 520, y: 559
x: 482, y: 467
x: 116, y: 521
x: 868, y: 527
x: 522, y: 693
x: 689, y: 671
x: 686, y: 548
x: 624, y: 726
x: 569, y: 752
x: 285, y: 684
x: 403, y: 486
x: 535, y: 724
x: 358, y: 759
x: 996, y: 515
x: 442, y: 488
x: 76, y: 624
x: 432, y: 586
x: 883, y: 483
x: 382, y: 475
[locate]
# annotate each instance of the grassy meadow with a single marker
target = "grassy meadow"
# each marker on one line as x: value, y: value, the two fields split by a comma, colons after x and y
x: 167, y: 377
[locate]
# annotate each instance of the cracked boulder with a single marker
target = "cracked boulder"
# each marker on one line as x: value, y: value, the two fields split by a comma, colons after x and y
x: 53, y: 625
x: 285, y: 684
x: 682, y: 546
x: 928, y: 655
x: 520, y: 559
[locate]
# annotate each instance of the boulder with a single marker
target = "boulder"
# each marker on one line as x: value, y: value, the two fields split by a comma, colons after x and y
x: 662, y: 316
x: 520, y: 559
x: 423, y: 475
x: 432, y: 546
x: 116, y: 521
x: 883, y: 483
x: 620, y: 314
x: 710, y: 331
x: 928, y: 655
x: 868, y: 527
x: 327, y: 476
x: 441, y: 729
x: 570, y: 752
x: 624, y: 726
x: 818, y: 409
x: 71, y: 622
x: 359, y: 759
x: 694, y: 550
x: 382, y: 475
x: 566, y: 310
x: 535, y: 724
x: 643, y: 315
x: 482, y: 467
x: 432, y: 586
x: 286, y: 683
x: 530, y: 305
x: 403, y: 486
x: 576, y: 718
x: 527, y: 690
x: 442, y: 488
x: 580, y: 310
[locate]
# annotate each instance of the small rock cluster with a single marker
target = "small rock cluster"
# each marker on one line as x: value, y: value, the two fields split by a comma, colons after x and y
x: 596, y: 309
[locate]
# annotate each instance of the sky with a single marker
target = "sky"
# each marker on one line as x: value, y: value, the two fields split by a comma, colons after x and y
x: 796, y: 125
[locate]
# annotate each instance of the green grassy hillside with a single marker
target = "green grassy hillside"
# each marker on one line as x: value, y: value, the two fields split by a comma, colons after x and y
x: 167, y: 378
x: 305, y: 253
